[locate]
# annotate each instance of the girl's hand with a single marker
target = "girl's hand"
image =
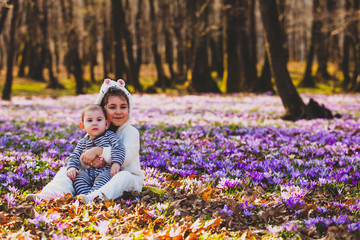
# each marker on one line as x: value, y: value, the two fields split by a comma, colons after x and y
x: 90, y: 155
x: 99, y: 162
x: 115, y: 168
x: 71, y: 173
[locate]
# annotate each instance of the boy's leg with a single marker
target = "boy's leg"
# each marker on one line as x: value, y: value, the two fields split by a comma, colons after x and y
x: 83, y: 182
x: 101, y: 179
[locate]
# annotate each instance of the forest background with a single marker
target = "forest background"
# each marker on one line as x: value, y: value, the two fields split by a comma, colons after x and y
x: 53, y: 47
x: 222, y: 165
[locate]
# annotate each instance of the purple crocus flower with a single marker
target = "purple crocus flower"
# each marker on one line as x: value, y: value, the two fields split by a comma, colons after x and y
x: 62, y: 226
x: 39, y: 218
x: 152, y: 213
x: 10, y: 198
x: 226, y: 210
x: 59, y: 237
x: 354, y: 226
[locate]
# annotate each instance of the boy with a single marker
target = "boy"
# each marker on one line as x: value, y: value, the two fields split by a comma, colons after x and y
x: 95, y: 124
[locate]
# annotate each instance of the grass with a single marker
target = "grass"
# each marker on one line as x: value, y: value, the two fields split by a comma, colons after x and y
x: 28, y: 87
x: 296, y: 70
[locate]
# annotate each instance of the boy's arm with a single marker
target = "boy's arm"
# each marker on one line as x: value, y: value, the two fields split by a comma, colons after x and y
x: 74, y: 158
x: 117, y: 148
x: 131, y: 143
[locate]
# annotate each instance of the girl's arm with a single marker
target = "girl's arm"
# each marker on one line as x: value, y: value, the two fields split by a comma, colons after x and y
x: 131, y: 143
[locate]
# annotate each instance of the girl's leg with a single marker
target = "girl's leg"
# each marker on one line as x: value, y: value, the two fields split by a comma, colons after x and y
x: 101, y: 179
x: 59, y: 186
x: 122, y: 181
x: 83, y: 182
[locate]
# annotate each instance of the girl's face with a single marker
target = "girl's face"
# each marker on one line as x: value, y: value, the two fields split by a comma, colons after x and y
x: 117, y: 110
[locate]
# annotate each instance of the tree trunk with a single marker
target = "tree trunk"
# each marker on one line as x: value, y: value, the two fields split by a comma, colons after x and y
x: 36, y: 40
x: 355, y: 83
x: 118, y: 46
x: 201, y: 80
x: 247, y: 63
x: 74, y: 61
x: 6, y: 94
x: 192, y: 30
x: 233, y: 62
x: 4, y: 13
x: 162, y: 80
x: 178, y: 25
x: 138, y: 31
x: 346, y: 48
x: 90, y: 51
x: 54, y: 82
x: 133, y: 67
x: 217, y: 56
x: 169, y: 51
x: 294, y: 106
x: 308, y: 80
x: 46, y: 53
x: 72, y: 57
x: 106, y: 44
x: 126, y: 35
x: 252, y: 32
x: 282, y: 20
x: 322, y: 52
x: 263, y: 83
x: 23, y: 56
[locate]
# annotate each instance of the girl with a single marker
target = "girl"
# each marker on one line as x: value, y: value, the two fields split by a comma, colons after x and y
x: 116, y: 100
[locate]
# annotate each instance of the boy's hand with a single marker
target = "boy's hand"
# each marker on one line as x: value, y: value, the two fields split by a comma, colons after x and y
x: 115, y: 168
x: 89, y: 155
x: 71, y: 173
x: 99, y: 162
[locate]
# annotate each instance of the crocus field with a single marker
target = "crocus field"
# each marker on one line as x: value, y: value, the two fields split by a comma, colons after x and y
x: 217, y: 167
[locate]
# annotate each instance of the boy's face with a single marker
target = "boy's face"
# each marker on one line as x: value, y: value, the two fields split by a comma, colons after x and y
x: 94, y: 123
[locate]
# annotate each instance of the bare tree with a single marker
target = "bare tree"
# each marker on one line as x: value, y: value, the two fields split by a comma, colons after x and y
x: 6, y: 94
x: 308, y: 80
x: 178, y: 27
x: 162, y: 80
x: 322, y: 49
x: 4, y: 13
x: 263, y: 83
x: 116, y: 8
x: 294, y: 106
x: 36, y: 60
x: 241, y: 66
x: 348, y: 44
x: 91, y: 34
x: 133, y: 72
x: 46, y: 52
x: 72, y: 58
x: 201, y: 80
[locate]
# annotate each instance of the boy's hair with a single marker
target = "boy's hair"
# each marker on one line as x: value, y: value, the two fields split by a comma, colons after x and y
x: 113, y: 91
x: 92, y: 107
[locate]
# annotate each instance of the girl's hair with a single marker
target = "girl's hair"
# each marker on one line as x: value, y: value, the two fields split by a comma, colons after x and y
x: 113, y: 91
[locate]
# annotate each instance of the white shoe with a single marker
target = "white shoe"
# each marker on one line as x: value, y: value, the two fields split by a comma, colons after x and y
x: 83, y: 199
x: 42, y: 195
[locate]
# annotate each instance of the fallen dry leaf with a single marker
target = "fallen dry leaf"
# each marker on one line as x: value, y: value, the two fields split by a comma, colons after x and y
x: 212, y: 224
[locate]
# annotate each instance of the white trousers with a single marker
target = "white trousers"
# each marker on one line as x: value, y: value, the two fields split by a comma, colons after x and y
x: 122, y: 181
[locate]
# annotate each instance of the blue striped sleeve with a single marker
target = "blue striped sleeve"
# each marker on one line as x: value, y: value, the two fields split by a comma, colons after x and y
x: 74, y: 158
x: 117, y: 148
